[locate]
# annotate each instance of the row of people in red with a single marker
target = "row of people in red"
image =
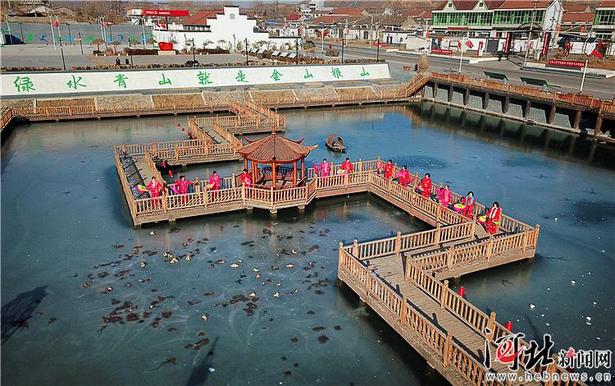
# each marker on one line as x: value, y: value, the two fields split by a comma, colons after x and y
x: 324, y: 168
x: 492, y: 219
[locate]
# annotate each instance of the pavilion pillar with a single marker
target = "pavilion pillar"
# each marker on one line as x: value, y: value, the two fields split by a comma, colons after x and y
x: 486, y: 101
x: 506, y: 104
x: 273, y: 175
x: 245, y: 163
x: 528, y: 107
x: 295, y: 173
x: 302, y: 168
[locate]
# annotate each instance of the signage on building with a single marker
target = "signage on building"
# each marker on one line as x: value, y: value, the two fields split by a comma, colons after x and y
x: 166, y: 12
x: 546, y: 40
x: 441, y: 51
x: 67, y: 83
x: 507, y: 42
x: 566, y: 63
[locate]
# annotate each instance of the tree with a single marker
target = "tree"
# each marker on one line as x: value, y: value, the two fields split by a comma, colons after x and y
x: 239, y: 46
x: 206, y: 43
x: 133, y: 41
x: 221, y: 43
x: 98, y: 42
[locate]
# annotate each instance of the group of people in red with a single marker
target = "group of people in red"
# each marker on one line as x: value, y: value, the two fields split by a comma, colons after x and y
x: 491, y: 220
x: 325, y: 168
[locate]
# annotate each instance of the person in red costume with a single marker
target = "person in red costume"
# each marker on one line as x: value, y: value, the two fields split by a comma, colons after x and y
x: 325, y: 168
x: 494, y: 218
x: 444, y: 196
x: 426, y: 185
x: 347, y: 166
x: 380, y: 166
x: 469, y: 201
x: 388, y: 169
x: 246, y: 178
x: 155, y: 190
x: 183, y: 185
x: 214, y: 181
x: 404, y: 176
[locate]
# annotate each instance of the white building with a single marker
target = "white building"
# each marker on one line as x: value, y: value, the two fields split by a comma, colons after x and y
x: 227, y: 29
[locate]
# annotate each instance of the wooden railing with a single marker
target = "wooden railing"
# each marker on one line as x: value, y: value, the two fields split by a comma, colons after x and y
x: 477, y: 250
x: 404, y: 243
x: 584, y: 101
x: 130, y: 200
x: 396, y: 308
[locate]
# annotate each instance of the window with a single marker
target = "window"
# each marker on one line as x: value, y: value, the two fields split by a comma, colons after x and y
x: 231, y: 16
x: 605, y: 17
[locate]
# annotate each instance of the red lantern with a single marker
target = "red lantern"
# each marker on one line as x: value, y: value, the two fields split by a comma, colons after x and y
x: 508, y: 326
x: 461, y: 292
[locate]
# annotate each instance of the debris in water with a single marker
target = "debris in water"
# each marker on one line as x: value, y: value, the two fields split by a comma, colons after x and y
x: 323, y: 339
x: 572, y: 282
x: 532, y: 306
x: 152, y: 233
x: 204, y: 317
x: 234, y: 265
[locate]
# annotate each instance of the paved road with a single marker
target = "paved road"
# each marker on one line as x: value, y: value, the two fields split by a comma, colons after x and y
x: 600, y: 87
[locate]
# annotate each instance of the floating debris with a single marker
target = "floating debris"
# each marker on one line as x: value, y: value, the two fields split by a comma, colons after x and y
x: 188, y: 258
x: 204, y: 317
x: 276, y: 294
x: 573, y: 283
x: 532, y: 306
x: 142, y: 264
x: 323, y: 339
x: 152, y: 233
x: 290, y: 265
x: 234, y: 265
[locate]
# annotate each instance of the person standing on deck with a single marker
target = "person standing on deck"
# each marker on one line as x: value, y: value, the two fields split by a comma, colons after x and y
x: 426, y: 185
x: 494, y: 218
x: 347, y: 166
x: 469, y: 200
x: 444, y: 196
x: 404, y: 176
x: 325, y: 168
x: 155, y: 190
x: 379, y: 166
x: 245, y: 178
x: 214, y: 181
x: 388, y: 170
x: 183, y: 184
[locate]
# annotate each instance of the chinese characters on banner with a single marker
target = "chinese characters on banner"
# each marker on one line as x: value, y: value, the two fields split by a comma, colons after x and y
x: 109, y: 81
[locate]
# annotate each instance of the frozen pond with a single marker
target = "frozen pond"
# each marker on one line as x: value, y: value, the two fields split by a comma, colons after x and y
x: 81, y: 305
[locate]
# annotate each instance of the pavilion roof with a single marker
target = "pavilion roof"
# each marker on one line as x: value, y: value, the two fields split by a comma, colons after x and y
x: 275, y: 148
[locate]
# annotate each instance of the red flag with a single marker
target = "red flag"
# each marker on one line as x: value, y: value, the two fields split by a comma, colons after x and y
x: 55, y: 23
x: 597, y: 54
x: 469, y: 44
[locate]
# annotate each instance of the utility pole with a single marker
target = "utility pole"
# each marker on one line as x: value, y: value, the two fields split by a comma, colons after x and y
x: 53, y: 34
x: 296, y: 50
x: 193, y: 54
x: 343, y: 39
x: 371, y: 27
x: 80, y: 43
x: 247, y: 58
x: 529, y: 38
x: 62, y: 52
x: 21, y: 30
x: 143, y: 29
x: 70, y: 36
x: 378, y: 49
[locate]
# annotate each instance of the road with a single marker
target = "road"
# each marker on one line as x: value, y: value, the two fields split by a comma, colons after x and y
x: 599, y: 87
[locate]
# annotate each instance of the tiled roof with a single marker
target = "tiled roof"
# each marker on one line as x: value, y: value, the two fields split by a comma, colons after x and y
x: 346, y: 11
x: 275, y: 148
x: 578, y: 17
x: 200, y: 18
x: 523, y: 4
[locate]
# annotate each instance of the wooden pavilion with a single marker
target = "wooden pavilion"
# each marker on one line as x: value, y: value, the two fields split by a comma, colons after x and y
x: 276, y: 153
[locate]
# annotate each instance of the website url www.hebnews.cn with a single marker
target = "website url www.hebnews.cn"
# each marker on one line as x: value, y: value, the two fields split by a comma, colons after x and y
x: 545, y: 377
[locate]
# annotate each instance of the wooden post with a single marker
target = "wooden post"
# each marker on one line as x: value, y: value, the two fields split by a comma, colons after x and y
x: 551, y: 116
x: 449, y: 257
x: 355, y: 248
x: 438, y: 214
x: 598, y: 126
x: 398, y: 244
x: 360, y: 165
x: 473, y: 227
x: 436, y: 239
x: 205, y: 195
x: 271, y: 196
x: 233, y: 180
x: 165, y: 204
x: 447, y: 350
x: 489, y: 247
x: 491, y: 327
x: 444, y: 294
x: 404, y: 310
x: 340, y: 256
